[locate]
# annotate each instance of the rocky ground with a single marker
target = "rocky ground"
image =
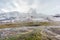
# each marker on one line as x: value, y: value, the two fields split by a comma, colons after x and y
x: 8, y: 32
x: 48, y: 32
x: 53, y: 32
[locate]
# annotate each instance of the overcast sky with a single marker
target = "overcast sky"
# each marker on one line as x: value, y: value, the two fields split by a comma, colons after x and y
x: 42, y: 6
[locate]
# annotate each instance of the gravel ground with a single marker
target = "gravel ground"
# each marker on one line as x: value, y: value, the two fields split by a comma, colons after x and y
x: 7, y: 32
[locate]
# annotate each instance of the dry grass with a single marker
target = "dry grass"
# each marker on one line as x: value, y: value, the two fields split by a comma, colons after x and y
x: 34, y: 35
x: 27, y: 24
x: 8, y: 25
x: 38, y: 24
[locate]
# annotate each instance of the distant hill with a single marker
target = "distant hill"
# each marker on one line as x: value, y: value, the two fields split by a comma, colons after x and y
x: 15, y: 15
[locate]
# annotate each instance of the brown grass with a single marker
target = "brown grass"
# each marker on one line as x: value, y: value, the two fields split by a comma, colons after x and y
x: 25, y: 24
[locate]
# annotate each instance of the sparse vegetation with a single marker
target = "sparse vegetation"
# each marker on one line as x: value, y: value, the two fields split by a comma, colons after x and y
x: 35, y: 35
x: 26, y: 24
